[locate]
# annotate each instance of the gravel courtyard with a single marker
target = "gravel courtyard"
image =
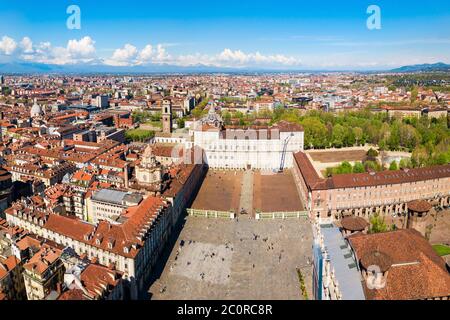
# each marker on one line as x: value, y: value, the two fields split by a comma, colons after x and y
x: 237, y: 259
x: 219, y: 191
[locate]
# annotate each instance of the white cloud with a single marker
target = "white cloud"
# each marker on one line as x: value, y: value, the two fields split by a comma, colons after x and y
x: 161, y: 54
x: 146, y: 54
x: 125, y: 56
x: 76, y: 51
x: 83, y: 51
x: 238, y: 58
x: 84, y: 47
x: 7, y: 45
x: 129, y: 55
x: 27, y: 45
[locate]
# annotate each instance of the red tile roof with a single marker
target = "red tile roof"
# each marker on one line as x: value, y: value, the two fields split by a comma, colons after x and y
x: 355, y: 180
x: 72, y: 294
x: 98, y: 280
x: 44, y: 258
x: 113, y: 238
x: 416, y: 271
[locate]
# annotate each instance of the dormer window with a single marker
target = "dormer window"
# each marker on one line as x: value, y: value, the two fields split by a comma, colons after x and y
x: 126, y: 250
x: 97, y: 241
x: 111, y: 243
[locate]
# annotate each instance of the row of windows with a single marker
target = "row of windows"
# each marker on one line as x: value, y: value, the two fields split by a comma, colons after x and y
x: 220, y: 157
x: 246, y: 147
x: 84, y: 249
x: 385, y: 193
x: 107, y: 210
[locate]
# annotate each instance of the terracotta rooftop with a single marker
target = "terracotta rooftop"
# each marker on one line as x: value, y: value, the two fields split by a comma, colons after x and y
x: 109, y: 237
x: 376, y: 258
x: 43, y: 259
x: 419, y: 206
x: 72, y: 294
x: 98, y: 279
x: 353, y: 223
x: 6, y: 265
x: 416, y: 271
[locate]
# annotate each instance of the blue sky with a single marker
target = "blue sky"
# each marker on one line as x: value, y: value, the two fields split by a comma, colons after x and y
x: 274, y: 34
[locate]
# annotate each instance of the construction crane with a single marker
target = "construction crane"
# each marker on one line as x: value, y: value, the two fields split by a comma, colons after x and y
x: 283, y: 154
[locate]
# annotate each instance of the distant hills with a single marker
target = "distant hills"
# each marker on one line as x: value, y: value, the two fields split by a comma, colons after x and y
x: 424, y: 68
x: 41, y: 68
x: 22, y: 67
x: 26, y: 67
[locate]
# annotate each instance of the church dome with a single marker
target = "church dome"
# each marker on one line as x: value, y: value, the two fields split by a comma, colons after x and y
x: 212, y: 118
x: 36, y: 110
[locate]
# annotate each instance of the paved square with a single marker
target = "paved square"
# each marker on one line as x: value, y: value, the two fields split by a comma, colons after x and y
x: 203, y: 261
x: 260, y: 259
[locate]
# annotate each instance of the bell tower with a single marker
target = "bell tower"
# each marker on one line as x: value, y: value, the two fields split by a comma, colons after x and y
x: 167, y: 116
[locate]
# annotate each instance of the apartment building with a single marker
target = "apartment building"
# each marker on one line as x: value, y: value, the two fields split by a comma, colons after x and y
x: 43, y: 272
x: 131, y: 247
x: 108, y: 204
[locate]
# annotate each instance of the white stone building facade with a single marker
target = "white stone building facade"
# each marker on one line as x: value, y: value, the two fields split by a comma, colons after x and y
x: 249, y: 149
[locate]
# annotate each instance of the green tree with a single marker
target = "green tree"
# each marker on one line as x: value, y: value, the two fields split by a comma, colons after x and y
x: 338, y: 135
x: 420, y: 156
x: 316, y: 134
x: 227, y: 118
x: 383, y: 134
x: 409, y: 136
x: 358, y: 168
x: 345, y: 167
x: 442, y: 158
x: 329, y: 172
x: 393, y: 166
x: 180, y: 123
x: 349, y: 138
x: 370, y: 165
x: 197, y: 112
x: 414, y: 94
x: 157, y: 116
x: 393, y: 141
x: 392, y: 87
x: 405, y: 163
x: 358, y: 133
x: 377, y: 224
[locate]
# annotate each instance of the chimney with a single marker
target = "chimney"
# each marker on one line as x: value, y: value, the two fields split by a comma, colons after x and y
x: 125, y: 175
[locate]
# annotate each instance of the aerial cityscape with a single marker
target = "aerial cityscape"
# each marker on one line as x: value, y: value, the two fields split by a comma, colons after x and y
x: 205, y: 155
